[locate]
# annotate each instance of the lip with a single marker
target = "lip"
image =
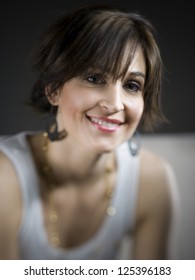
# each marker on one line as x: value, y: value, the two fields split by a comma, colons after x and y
x: 105, y: 124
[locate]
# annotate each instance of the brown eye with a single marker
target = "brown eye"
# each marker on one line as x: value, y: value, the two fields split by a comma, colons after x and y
x: 95, y: 79
x: 132, y: 86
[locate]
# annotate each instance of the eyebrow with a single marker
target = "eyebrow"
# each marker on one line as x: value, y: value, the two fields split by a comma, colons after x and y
x: 136, y: 73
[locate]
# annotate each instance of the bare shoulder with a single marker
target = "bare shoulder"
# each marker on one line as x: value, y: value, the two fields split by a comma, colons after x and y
x: 155, y: 168
x: 10, y: 196
x: 10, y: 206
x: 155, y: 207
x: 157, y: 183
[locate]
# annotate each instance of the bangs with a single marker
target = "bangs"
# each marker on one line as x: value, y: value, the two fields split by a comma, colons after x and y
x: 104, y: 42
x: 110, y: 59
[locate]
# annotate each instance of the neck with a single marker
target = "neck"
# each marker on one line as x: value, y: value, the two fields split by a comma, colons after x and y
x: 72, y: 162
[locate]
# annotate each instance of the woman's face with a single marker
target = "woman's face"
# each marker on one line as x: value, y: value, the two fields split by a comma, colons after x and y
x: 101, y: 114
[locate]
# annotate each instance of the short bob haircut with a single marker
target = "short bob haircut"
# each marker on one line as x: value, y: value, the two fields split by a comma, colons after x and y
x: 96, y: 38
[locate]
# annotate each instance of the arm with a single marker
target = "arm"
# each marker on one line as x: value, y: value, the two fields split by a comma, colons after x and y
x: 10, y: 210
x: 155, y: 208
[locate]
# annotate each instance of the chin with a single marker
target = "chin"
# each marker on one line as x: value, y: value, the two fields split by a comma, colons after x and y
x: 104, y: 148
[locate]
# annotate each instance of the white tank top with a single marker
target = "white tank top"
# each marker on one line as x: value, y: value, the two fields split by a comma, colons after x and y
x: 105, y: 243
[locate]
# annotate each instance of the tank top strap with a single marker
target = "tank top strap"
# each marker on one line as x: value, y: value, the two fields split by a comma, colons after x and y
x: 128, y: 185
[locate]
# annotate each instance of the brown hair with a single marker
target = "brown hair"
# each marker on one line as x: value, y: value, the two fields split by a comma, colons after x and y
x: 96, y: 37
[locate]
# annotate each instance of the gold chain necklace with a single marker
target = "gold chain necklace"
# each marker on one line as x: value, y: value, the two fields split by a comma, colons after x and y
x: 54, y: 238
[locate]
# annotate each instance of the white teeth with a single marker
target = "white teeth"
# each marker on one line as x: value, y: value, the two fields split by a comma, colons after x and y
x: 104, y: 123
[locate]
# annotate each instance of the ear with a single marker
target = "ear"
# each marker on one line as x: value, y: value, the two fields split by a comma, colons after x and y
x: 53, y: 97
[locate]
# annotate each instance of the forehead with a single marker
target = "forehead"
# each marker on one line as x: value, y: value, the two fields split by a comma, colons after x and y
x: 138, y: 63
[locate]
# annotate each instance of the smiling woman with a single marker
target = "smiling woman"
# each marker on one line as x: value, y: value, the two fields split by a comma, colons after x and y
x: 98, y: 108
x: 100, y: 43
x: 77, y: 189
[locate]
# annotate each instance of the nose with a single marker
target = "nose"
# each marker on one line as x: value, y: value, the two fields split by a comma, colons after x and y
x: 112, y: 99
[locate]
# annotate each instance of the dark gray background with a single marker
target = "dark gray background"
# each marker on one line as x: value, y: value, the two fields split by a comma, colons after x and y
x: 21, y: 24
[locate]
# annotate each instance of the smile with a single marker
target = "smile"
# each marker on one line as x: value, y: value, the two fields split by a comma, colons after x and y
x: 105, y: 124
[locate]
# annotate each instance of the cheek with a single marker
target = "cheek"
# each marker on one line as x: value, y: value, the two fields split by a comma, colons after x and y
x: 78, y: 101
x: 73, y: 106
x: 135, y: 109
x: 69, y: 104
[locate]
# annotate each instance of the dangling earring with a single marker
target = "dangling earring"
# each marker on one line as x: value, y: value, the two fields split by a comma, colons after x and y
x: 52, y: 127
x: 134, y: 144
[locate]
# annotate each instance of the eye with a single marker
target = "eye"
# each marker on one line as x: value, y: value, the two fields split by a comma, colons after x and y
x: 96, y: 79
x: 132, y: 86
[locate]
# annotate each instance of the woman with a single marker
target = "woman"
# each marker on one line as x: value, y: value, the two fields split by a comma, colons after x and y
x: 77, y: 189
